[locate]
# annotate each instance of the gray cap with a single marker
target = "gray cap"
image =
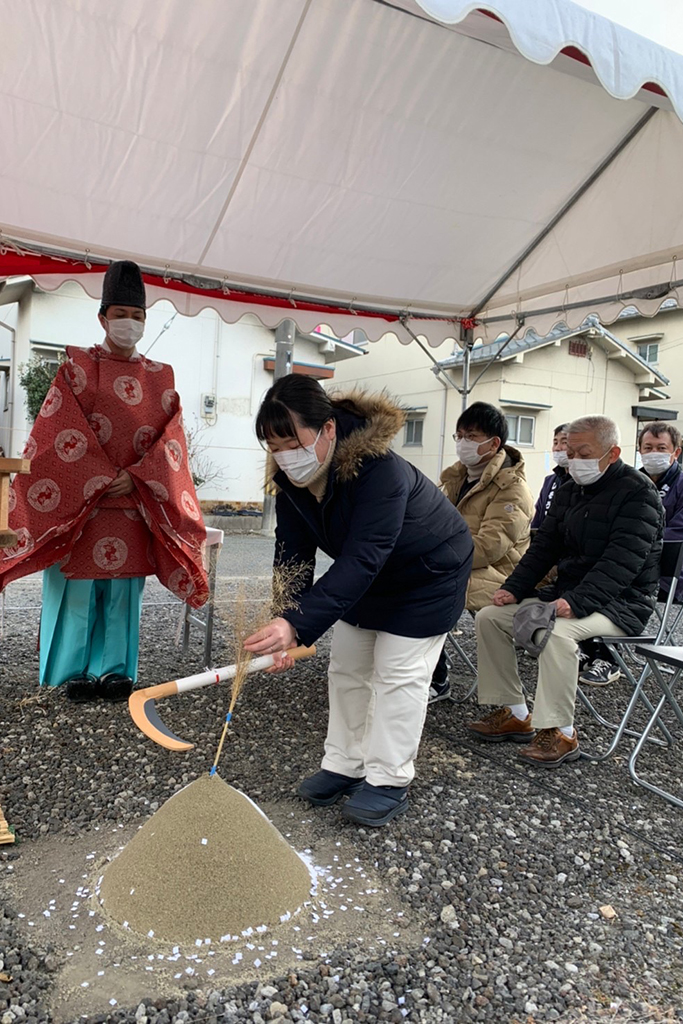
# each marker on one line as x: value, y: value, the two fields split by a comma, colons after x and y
x: 530, y: 620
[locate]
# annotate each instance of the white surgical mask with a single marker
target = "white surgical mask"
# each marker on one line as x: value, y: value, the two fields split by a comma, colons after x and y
x: 656, y: 463
x: 561, y: 459
x: 586, y: 471
x: 299, y: 463
x: 125, y: 333
x: 468, y: 451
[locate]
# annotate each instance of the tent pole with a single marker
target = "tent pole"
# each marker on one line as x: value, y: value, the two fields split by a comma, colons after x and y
x: 499, y: 353
x: 285, y: 333
x: 467, y: 341
x: 573, y: 199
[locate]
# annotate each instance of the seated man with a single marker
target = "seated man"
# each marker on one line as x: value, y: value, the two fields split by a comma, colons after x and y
x: 554, y: 480
x: 659, y: 445
x: 604, y: 532
x: 489, y: 489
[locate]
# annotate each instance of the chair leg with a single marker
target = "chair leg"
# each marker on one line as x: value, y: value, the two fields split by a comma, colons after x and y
x: 621, y: 729
x: 638, y: 696
x: 667, y: 698
x: 210, y: 607
x: 185, y: 620
x: 463, y: 655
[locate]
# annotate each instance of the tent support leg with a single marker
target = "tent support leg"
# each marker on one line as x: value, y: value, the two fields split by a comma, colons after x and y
x: 285, y: 333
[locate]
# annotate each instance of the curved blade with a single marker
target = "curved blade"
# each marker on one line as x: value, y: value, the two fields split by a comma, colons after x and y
x: 145, y: 715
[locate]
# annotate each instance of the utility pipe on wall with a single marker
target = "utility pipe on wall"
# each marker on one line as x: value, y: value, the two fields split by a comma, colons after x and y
x: 285, y: 334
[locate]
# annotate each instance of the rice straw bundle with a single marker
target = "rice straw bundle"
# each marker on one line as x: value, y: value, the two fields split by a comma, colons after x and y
x: 289, y: 579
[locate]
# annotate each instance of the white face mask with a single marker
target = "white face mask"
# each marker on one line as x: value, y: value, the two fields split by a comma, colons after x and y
x: 561, y: 459
x: 656, y: 463
x: 299, y: 463
x: 586, y: 471
x: 468, y: 451
x: 125, y: 333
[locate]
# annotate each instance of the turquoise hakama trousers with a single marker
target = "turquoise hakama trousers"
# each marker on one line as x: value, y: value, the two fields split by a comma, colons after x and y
x: 89, y: 626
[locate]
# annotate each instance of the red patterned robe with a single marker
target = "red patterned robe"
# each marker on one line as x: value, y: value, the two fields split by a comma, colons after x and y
x: 102, y: 414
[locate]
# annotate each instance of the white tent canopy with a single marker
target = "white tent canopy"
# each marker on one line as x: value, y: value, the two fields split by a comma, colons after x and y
x: 438, y: 159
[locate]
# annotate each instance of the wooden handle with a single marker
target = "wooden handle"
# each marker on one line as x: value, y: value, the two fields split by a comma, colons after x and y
x: 297, y: 653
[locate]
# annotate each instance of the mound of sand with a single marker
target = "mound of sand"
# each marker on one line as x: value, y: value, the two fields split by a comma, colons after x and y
x: 206, y: 865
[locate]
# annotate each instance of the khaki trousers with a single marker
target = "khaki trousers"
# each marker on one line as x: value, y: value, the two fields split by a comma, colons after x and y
x: 558, y: 664
x: 378, y: 690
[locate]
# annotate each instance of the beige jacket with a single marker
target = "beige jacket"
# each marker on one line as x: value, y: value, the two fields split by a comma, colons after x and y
x: 498, y: 511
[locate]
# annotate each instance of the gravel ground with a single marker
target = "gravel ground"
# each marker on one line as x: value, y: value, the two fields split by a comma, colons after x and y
x: 502, y: 868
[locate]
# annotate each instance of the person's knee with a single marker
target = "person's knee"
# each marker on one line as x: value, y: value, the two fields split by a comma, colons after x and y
x: 487, y: 617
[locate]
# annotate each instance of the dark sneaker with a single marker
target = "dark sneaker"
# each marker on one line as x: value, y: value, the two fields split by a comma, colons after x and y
x: 439, y: 691
x: 502, y: 725
x: 114, y: 687
x: 551, y: 748
x: 376, y: 805
x: 599, y: 673
x: 81, y: 688
x: 325, y: 788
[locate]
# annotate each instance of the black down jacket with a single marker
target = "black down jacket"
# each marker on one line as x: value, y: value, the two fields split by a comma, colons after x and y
x: 606, y: 541
x: 402, y: 553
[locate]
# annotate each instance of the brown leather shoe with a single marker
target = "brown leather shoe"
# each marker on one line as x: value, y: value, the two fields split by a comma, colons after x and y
x: 551, y: 748
x: 502, y: 725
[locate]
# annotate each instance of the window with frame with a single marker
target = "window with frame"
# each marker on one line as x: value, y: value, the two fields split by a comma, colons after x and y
x: 521, y: 429
x: 649, y: 351
x: 413, y: 431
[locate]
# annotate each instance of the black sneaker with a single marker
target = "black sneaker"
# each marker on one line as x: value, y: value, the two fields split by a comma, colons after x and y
x: 439, y: 691
x: 376, y: 805
x: 81, y: 688
x: 114, y: 687
x: 325, y: 788
x: 599, y: 673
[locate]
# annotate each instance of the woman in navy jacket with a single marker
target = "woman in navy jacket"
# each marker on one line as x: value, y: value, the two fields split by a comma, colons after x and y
x: 402, y: 558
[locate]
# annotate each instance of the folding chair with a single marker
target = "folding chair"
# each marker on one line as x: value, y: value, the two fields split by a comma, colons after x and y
x: 656, y: 657
x: 671, y: 565
x: 453, y: 642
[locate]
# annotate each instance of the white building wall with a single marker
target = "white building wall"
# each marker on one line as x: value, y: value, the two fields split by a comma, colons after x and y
x: 639, y: 330
x: 572, y: 386
x: 208, y: 357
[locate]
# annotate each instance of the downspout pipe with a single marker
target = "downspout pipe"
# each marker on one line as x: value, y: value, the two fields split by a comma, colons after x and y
x: 10, y: 381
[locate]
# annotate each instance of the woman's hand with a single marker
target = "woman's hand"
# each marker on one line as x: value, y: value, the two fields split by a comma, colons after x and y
x: 274, y: 638
x: 282, y: 663
x: 123, y: 484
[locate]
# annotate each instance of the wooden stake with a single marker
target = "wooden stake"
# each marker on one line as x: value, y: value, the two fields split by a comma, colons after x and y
x: 5, y: 835
x: 8, y: 537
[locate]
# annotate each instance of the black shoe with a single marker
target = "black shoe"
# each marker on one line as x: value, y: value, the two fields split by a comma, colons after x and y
x: 325, y: 788
x: 599, y: 673
x: 114, y: 687
x: 439, y: 691
x: 376, y: 805
x: 82, y: 688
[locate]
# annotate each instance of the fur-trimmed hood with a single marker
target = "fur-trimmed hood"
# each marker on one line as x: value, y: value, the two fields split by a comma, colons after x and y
x: 366, y: 425
x: 504, y: 470
x: 372, y: 440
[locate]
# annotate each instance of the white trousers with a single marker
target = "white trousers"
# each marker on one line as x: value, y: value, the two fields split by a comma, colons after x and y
x: 378, y: 690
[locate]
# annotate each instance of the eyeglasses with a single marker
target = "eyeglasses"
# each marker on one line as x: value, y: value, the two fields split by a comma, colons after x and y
x: 470, y: 436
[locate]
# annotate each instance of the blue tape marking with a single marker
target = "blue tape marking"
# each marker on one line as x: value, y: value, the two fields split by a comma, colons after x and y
x: 213, y: 770
x: 228, y: 717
